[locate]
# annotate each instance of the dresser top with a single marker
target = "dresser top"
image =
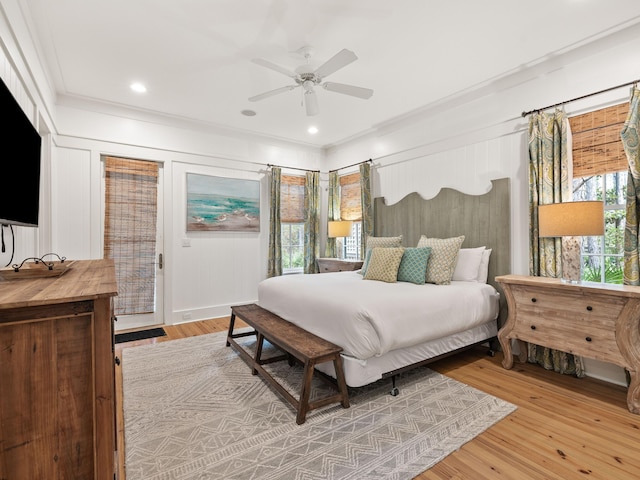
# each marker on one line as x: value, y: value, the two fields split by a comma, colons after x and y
x: 584, y: 287
x: 84, y: 280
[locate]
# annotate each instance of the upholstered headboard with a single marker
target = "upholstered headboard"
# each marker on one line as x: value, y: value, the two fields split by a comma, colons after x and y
x: 484, y: 220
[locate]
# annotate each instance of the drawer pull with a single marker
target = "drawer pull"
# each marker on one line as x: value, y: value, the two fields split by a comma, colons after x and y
x: 588, y: 339
x: 533, y: 327
x: 534, y: 300
x: 589, y: 308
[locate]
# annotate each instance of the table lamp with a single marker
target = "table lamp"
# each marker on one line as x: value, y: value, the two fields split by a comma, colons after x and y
x: 339, y: 228
x: 571, y: 220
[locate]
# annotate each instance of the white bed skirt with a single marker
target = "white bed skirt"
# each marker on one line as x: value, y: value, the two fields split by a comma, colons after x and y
x: 362, y: 372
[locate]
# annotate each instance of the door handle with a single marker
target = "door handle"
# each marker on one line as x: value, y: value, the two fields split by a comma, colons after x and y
x: 160, y: 261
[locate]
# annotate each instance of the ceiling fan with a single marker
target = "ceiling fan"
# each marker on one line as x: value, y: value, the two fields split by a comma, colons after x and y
x: 306, y: 77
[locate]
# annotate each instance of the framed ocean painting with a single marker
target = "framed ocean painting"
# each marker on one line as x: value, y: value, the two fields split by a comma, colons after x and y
x: 222, y: 204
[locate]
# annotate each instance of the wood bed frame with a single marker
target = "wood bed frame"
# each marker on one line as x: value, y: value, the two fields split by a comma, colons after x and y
x: 484, y: 220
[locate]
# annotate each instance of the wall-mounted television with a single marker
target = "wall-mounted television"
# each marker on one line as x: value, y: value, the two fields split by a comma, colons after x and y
x: 20, y: 164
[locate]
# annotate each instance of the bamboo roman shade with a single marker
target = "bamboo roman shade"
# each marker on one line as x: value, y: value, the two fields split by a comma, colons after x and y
x: 350, y: 198
x: 292, y: 199
x: 130, y: 231
x: 597, y: 148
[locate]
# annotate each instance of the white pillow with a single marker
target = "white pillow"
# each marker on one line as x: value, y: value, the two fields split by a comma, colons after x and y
x: 483, y: 272
x: 468, y: 264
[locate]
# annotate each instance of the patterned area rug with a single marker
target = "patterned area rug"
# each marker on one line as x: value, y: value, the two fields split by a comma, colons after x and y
x: 192, y: 410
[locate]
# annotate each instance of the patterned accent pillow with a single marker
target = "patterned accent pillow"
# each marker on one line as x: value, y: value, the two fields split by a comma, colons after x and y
x: 413, y: 267
x: 375, y: 242
x: 442, y: 261
x: 383, y: 264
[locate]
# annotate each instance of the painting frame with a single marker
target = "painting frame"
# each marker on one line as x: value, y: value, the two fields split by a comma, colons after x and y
x: 222, y: 204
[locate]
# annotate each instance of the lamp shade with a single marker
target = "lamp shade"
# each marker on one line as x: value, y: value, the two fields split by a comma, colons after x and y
x: 571, y: 219
x: 340, y: 228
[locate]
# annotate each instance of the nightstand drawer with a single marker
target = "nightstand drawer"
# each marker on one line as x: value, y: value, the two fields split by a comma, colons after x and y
x: 336, y: 265
x: 579, y: 338
x: 569, y: 308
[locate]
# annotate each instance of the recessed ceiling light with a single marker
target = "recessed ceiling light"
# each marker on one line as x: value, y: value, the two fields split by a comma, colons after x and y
x: 312, y: 130
x: 138, y: 87
x: 248, y: 113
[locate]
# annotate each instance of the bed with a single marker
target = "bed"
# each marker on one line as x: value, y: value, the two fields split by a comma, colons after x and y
x: 385, y: 328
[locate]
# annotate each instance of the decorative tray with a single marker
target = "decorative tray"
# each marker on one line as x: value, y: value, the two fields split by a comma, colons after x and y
x: 36, y: 268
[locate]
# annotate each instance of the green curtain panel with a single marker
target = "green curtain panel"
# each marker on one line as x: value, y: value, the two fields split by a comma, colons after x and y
x: 274, y: 266
x: 312, y: 221
x: 366, y: 204
x: 549, y: 182
x: 333, y: 212
x: 630, y: 140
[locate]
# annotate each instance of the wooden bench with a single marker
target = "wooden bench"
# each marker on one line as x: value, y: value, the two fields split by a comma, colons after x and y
x: 295, y: 342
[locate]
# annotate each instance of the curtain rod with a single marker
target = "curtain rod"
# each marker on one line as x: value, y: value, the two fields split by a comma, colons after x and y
x: 269, y: 165
x: 635, y: 82
x: 352, y: 165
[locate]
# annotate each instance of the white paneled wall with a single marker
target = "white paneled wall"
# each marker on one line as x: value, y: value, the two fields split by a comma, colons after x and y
x: 217, y: 269
x: 71, y: 182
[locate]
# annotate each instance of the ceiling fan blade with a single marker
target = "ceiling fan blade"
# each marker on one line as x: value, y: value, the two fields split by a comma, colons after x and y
x: 311, y: 103
x: 273, y: 66
x: 359, y: 92
x: 341, y: 59
x: 270, y: 93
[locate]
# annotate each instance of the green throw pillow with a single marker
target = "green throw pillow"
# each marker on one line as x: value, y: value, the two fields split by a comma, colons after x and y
x: 413, y: 267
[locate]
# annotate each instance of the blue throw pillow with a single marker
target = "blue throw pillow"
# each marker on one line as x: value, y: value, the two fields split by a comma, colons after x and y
x: 413, y: 267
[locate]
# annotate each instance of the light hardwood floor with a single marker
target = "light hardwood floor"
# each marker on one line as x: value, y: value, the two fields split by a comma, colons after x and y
x: 564, y: 428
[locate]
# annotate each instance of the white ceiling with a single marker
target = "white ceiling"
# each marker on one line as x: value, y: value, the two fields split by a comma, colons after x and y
x: 195, y: 56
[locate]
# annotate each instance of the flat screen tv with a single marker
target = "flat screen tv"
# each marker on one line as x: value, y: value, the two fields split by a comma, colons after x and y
x: 20, y: 164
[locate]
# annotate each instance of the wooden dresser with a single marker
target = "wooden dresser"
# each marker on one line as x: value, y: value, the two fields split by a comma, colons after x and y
x: 57, y: 376
x: 337, y: 265
x: 592, y: 320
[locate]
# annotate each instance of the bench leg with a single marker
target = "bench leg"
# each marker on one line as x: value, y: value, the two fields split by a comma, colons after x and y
x: 258, y: 356
x: 342, y: 384
x: 231, y: 324
x: 303, y: 403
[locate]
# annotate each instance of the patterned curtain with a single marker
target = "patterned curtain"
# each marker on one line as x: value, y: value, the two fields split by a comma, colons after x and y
x: 312, y: 222
x: 366, y: 204
x: 549, y: 182
x: 333, y: 211
x: 630, y: 141
x: 274, y: 267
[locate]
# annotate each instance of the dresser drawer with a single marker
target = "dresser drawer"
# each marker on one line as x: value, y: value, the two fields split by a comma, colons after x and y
x: 571, y: 322
x: 569, y: 306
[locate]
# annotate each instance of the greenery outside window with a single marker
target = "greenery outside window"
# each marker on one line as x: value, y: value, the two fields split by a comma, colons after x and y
x: 292, y: 247
x: 603, y: 257
x: 600, y: 172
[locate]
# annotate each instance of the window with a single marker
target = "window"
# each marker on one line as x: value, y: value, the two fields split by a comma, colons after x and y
x: 292, y: 223
x: 351, y: 209
x: 292, y: 247
x: 600, y: 173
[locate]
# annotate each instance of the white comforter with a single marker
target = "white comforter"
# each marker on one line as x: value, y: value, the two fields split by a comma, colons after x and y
x: 370, y: 318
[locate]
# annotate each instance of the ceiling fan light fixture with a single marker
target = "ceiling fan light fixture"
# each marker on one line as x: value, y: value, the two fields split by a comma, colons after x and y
x: 308, y: 78
x: 311, y: 103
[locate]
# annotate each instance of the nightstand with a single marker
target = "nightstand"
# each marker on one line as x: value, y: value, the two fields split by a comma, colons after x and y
x: 593, y: 320
x: 336, y: 265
